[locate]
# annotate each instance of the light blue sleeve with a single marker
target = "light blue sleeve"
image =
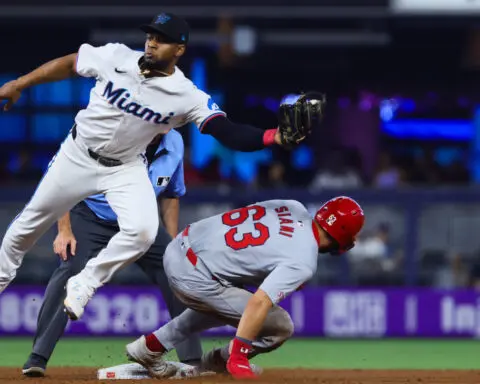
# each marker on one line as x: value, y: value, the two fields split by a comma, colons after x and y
x: 176, y: 187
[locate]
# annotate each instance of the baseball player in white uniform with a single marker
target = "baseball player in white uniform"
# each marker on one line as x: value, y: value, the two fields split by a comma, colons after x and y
x: 272, y: 245
x: 136, y: 96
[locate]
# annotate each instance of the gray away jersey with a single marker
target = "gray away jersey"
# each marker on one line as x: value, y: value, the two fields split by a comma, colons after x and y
x: 269, y: 245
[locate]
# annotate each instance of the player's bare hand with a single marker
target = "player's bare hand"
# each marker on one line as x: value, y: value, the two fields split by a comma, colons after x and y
x: 10, y: 92
x: 62, y: 242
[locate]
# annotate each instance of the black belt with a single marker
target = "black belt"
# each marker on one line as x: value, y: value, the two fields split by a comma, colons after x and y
x: 106, y: 161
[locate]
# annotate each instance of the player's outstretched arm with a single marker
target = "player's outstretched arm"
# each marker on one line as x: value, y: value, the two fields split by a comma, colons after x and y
x: 54, y: 70
x: 240, y: 137
x: 254, y: 315
x: 298, y: 118
x: 250, y: 325
x: 64, y: 238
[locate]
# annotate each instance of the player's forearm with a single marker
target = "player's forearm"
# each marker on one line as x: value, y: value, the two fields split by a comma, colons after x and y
x: 54, y: 70
x: 240, y: 137
x: 64, y: 225
x: 254, y: 316
x: 169, y: 213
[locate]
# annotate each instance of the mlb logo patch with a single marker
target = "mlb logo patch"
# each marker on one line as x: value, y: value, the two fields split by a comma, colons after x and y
x: 162, y: 18
x: 163, y: 181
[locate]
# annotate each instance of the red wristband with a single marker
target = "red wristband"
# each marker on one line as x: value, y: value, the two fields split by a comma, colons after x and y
x: 269, y: 137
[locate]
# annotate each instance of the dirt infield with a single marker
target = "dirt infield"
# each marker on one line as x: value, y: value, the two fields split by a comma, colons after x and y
x: 300, y: 376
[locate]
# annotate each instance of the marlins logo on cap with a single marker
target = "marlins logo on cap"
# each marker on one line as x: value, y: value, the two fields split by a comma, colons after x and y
x: 162, y: 18
x: 167, y: 24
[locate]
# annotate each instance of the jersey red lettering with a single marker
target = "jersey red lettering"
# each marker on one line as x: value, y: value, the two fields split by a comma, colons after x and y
x: 285, y: 228
x: 235, y: 217
x: 285, y: 234
x: 239, y: 216
x: 281, y: 209
x: 285, y: 221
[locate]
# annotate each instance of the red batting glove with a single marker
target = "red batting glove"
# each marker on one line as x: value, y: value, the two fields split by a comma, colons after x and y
x: 237, y: 364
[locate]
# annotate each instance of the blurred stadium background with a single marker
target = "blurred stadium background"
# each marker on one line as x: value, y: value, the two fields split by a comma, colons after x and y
x: 402, y: 136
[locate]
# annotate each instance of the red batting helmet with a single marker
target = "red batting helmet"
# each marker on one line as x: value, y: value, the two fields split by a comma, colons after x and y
x: 342, y: 218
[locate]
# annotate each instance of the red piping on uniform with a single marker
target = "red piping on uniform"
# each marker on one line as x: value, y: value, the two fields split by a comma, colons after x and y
x: 191, y: 256
x: 202, y: 125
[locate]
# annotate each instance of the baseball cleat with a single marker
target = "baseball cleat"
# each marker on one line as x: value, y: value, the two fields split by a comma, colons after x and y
x: 153, y: 361
x: 186, y: 371
x: 213, y: 361
x: 78, y: 296
x: 33, y: 372
x: 35, y: 366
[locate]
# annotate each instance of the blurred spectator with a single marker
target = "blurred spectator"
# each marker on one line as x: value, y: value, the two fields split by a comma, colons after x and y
x: 211, y: 173
x: 426, y: 169
x: 387, y: 174
x: 226, y: 54
x: 455, y: 274
x: 474, y: 277
x: 373, y: 255
x: 372, y: 245
x: 456, y: 173
x: 276, y: 175
x: 336, y: 174
x: 459, y: 271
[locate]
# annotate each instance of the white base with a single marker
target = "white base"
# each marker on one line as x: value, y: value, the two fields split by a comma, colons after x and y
x: 134, y: 371
x: 131, y: 371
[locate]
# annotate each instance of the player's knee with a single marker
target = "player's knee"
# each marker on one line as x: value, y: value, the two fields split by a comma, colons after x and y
x: 144, y: 235
x: 286, y: 328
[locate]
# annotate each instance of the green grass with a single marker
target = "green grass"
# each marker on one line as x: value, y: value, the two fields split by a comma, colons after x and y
x: 319, y: 353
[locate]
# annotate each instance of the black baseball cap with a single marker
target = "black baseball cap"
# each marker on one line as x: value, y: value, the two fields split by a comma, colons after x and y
x: 169, y: 25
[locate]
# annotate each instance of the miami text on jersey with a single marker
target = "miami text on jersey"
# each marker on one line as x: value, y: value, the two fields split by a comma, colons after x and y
x: 286, y: 225
x: 119, y: 98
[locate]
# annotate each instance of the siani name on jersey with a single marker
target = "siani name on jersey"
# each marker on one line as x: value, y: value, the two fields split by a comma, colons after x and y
x: 119, y: 97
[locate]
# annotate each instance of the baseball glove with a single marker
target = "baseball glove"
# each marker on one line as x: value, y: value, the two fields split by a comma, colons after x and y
x: 298, y: 117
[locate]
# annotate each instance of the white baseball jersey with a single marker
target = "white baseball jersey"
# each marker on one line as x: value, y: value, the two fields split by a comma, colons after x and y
x: 269, y: 244
x: 126, y: 110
